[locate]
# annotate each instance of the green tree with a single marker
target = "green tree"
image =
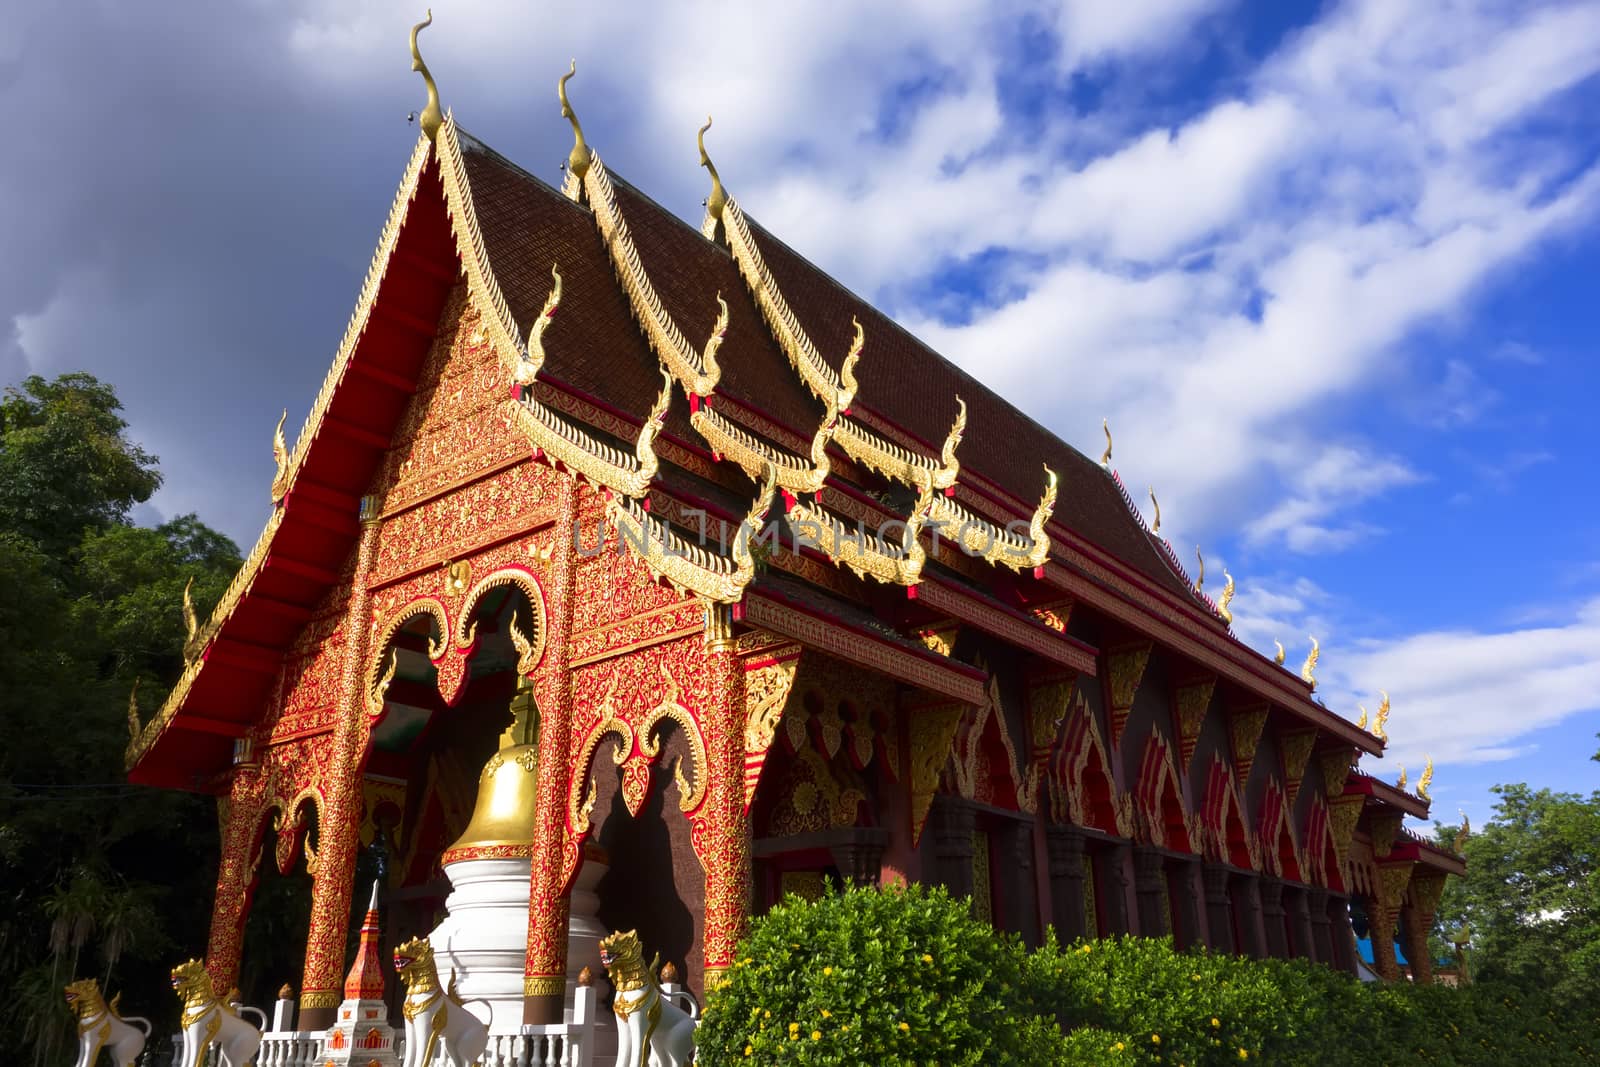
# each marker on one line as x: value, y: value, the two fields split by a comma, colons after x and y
x: 97, y: 878
x: 1531, y: 895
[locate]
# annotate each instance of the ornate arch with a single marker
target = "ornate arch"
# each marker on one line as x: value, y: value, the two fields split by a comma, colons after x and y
x: 381, y: 663
x: 1279, y: 852
x: 289, y: 824
x: 1228, y: 835
x: 530, y: 642
x: 1083, y: 789
x: 1158, y: 796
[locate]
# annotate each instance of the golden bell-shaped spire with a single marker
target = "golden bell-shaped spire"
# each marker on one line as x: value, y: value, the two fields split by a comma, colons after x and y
x: 507, y: 789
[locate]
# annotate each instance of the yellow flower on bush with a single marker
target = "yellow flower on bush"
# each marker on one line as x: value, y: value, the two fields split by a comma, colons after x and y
x: 905, y: 1027
x: 1118, y: 1047
x: 794, y: 1029
x: 1155, y: 1039
x: 926, y: 958
x: 1243, y: 1055
x: 748, y: 1050
x: 1215, y: 1022
x: 826, y: 1014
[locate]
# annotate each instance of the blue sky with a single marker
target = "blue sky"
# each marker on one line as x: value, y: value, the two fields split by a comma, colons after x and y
x: 1329, y: 269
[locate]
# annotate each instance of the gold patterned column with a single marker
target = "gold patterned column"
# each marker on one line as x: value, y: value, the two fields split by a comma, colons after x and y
x: 721, y: 829
x: 544, y: 982
x: 1416, y: 920
x: 240, y: 815
x: 1383, y: 912
x: 339, y: 819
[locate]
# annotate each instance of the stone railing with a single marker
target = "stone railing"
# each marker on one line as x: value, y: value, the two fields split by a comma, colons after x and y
x: 289, y: 1048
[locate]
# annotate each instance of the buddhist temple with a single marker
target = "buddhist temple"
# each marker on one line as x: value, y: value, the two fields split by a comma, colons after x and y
x: 654, y: 563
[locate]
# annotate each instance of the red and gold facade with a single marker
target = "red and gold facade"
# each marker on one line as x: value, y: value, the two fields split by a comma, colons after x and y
x: 953, y: 653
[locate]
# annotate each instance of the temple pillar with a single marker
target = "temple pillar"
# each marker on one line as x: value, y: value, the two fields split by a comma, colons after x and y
x: 1219, y: 908
x: 1321, y: 927
x: 1115, y: 884
x: 339, y: 817
x: 1149, y: 883
x: 1341, y: 933
x: 1247, y: 908
x: 953, y: 826
x: 861, y: 861
x: 236, y: 875
x: 1271, y: 890
x: 1183, y: 888
x: 1019, y: 908
x: 723, y: 825
x: 1299, y: 923
x: 1383, y: 913
x: 1415, y: 925
x: 1065, y: 850
x: 544, y: 976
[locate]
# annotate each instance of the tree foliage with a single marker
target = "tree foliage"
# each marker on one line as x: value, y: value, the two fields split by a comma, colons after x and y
x: 97, y: 878
x: 1531, y: 896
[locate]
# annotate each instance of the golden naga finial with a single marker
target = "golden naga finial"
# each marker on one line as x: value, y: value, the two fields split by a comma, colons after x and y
x: 1308, y: 669
x: 191, y: 623
x: 1226, y: 598
x: 708, y: 354
x: 530, y: 361
x: 1361, y: 723
x: 1463, y: 833
x: 1400, y: 783
x: 578, y: 158
x: 952, y: 440
x: 1105, y: 457
x: 1155, y: 527
x: 527, y: 655
x: 432, y: 116
x: 280, y: 456
x: 134, y: 726
x: 719, y: 196
x: 379, y: 693
x: 1281, y: 654
x: 1041, y: 516
x: 1200, y: 582
x: 644, y: 449
x: 1378, y: 726
x: 847, y: 370
x: 1425, y: 783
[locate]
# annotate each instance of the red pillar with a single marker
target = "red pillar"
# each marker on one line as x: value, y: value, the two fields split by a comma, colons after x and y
x: 722, y: 828
x: 544, y: 982
x: 339, y: 819
x: 236, y: 877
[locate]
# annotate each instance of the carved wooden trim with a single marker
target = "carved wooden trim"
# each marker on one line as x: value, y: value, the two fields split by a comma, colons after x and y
x: 1191, y: 700
x: 1125, y: 667
x: 1244, y: 731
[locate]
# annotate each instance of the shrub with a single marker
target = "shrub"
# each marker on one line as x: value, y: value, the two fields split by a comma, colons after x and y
x: 897, y: 976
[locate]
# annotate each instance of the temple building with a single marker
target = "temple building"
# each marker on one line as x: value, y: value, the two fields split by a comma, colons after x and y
x: 761, y: 594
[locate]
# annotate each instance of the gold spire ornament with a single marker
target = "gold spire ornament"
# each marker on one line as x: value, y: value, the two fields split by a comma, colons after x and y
x: 719, y: 196
x: 1281, y: 654
x: 1379, y: 725
x: 578, y: 158
x: 134, y: 726
x: 280, y: 456
x: 432, y: 116
x: 532, y: 358
x: 1361, y: 723
x: 1308, y: 670
x: 1425, y: 783
x: 1400, y: 783
x: 1105, y: 457
x: 1226, y: 598
x: 1155, y: 527
x: 1200, y: 582
x: 191, y: 622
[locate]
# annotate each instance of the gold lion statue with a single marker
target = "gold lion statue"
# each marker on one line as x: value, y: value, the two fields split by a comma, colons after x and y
x: 208, y: 1019
x: 101, y: 1026
x: 435, y: 1017
x: 651, y: 1030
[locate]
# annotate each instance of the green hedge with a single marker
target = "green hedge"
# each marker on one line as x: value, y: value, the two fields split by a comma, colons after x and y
x: 909, y: 977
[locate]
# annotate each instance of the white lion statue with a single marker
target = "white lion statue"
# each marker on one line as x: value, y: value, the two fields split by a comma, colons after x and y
x: 435, y: 1018
x: 207, y: 1019
x: 101, y: 1026
x: 651, y: 1030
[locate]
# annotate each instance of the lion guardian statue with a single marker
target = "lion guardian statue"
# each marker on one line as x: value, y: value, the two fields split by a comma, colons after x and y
x: 436, y: 1019
x: 207, y: 1019
x: 651, y: 1030
x: 101, y: 1026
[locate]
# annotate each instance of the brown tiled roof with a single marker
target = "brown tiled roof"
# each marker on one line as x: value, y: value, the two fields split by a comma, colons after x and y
x: 597, y: 347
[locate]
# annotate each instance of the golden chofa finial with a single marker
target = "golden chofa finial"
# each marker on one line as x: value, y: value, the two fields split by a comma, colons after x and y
x: 1281, y: 654
x: 578, y: 159
x: 1200, y: 582
x: 1308, y: 669
x: 1400, y: 783
x: 1155, y: 527
x: 1379, y: 725
x: 134, y: 726
x: 191, y: 622
x: 280, y: 456
x: 1361, y: 723
x: 432, y: 116
x: 1105, y: 457
x: 719, y: 196
x: 1425, y: 783
x: 1226, y: 598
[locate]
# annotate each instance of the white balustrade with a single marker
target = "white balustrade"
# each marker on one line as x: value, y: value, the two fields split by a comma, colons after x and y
x: 289, y: 1048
